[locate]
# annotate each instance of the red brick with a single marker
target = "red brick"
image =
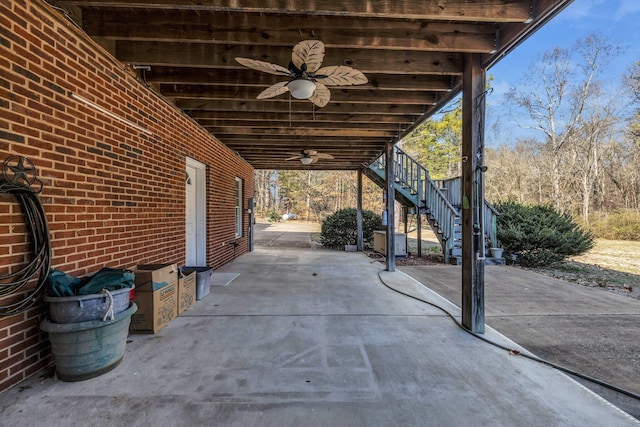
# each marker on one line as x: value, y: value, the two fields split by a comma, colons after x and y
x: 19, y: 368
x: 24, y: 344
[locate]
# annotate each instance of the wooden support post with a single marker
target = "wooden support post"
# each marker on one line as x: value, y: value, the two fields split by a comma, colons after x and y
x: 360, y: 235
x: 390, y: 207
x: 473, y: 90
x: 405, y: 219
x: 419, y: 230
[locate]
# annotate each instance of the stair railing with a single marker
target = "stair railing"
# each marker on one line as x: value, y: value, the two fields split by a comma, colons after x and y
x: 452, y: 188
x: 427, y: 196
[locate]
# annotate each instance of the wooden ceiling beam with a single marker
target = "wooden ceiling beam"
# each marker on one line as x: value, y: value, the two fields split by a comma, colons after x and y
x: 299, y: 131
x: 333, y: 166
x: 246, y: 77
x: 264, y: 157
x: 223, y: 56
x: 341, y: 151
x: 215, y: 123
x: 336, y: 152
x: 444, y: 10
x: 235, y: 141
x: 258, y: 106
x: 338, y: 94
x: 310, y: 118
x: 278, y: 30
x: 272, y: 163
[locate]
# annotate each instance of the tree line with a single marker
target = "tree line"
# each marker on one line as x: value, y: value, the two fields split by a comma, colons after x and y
x: 312, y: 195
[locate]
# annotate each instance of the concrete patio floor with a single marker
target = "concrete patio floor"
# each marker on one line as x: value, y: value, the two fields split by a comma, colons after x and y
x: 306, y: 336
x: 588, y: 330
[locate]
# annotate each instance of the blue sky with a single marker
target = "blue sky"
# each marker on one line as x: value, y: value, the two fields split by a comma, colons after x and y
x: 618, y: 20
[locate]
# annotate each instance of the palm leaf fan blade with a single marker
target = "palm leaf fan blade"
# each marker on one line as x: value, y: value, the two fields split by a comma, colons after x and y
x: 324, y: 156
x: 341, y: 75
x: 321, y: 95
x: 309, y: 52
x: 273, y: 90
x: 266, y: 67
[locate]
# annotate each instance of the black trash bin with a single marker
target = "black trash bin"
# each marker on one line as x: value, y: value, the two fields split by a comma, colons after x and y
x: 204, y: 279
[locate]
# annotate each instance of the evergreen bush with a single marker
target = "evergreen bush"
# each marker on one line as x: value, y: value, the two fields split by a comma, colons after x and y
x: 539, y: 235
x: 340, y: 228
x: 273, y: 216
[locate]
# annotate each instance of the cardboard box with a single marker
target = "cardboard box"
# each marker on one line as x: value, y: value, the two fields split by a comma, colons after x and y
x: 156, y: 297
x: 186, y: 291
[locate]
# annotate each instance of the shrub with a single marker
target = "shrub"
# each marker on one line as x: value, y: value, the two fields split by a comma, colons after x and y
x: 539, y: 235
x: 340, y: 228
x: 622, y: 225
x: 273, y: 216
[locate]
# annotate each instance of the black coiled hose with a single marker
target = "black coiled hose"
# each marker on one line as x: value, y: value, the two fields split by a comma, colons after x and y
x: 18, y: 177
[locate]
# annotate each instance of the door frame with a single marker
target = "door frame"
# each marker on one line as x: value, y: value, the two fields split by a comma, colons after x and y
x: 200, y: 210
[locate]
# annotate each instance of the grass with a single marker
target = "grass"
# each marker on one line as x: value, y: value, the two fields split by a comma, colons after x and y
x: 619, y: 255
x: 611, y: 264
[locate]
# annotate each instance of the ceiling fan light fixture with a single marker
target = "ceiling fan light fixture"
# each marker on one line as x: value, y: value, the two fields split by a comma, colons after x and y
x: 301, y: 88
x: 306, y: 160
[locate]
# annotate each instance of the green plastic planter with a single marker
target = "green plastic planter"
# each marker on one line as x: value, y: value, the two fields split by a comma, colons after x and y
x: 84, y: 350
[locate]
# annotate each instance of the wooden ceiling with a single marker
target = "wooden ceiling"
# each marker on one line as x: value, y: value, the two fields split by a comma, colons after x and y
x: 412, y: 52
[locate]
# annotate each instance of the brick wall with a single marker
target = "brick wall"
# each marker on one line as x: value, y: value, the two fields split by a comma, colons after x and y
x: 113, y: 195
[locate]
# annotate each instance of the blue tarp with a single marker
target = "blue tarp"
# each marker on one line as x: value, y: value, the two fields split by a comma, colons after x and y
x: 60, y: 284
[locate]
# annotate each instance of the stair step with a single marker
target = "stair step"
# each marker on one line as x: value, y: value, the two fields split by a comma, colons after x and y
x: 409, y: 180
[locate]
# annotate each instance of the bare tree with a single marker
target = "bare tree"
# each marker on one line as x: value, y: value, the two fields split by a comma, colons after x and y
x: 633, y: 82
x: 558, y: 95
x: 516, y: 173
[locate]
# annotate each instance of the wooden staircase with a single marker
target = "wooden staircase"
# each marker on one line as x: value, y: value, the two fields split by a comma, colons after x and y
x: 439, y: 201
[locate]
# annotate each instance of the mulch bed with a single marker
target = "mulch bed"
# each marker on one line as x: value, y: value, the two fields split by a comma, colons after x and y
x: 411, y: 260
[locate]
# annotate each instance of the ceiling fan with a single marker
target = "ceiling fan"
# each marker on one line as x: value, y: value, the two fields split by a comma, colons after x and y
x: 307, y: 79
x: 308, y: 157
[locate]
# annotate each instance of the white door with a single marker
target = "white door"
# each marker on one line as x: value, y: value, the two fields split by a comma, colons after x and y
x: 195, y: 214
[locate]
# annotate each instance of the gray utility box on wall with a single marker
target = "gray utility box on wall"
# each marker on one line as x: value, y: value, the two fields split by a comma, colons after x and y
x: 380, y: 243
x: 204, y: 279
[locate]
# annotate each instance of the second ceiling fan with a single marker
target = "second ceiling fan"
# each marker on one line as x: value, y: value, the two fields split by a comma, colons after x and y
x: 308, y: 157
x: 306, y: 79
